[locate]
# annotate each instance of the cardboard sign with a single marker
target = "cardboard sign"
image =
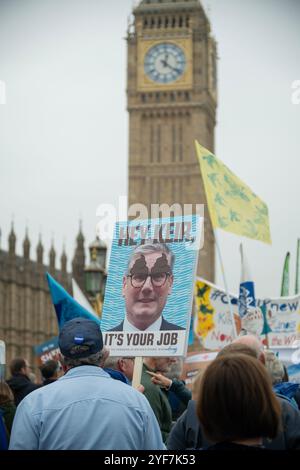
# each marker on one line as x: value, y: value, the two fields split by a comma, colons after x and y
x: 48, y: 350
x: 213, y: 324
x: 149, y: 291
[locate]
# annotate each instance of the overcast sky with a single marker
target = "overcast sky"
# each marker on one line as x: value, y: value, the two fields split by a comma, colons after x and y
x: 64, y: 127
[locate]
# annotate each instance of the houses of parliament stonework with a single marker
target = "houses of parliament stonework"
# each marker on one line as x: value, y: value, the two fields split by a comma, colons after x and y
x: 27, y: 316
x: 172, y: 100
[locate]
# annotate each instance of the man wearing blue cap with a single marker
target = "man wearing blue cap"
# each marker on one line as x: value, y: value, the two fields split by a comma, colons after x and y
x: 85, y: 409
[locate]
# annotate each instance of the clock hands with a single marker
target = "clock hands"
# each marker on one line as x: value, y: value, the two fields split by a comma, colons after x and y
x: 166, y: 64
x: 173, y: 68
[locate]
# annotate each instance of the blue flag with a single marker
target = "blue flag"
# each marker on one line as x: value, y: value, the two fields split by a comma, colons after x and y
x: 246, y: 295
x: 66, y: 307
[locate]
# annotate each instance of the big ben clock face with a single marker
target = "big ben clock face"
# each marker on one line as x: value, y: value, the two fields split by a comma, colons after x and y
x: 165, y: 63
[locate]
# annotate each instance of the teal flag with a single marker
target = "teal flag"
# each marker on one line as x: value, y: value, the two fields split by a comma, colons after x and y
x: 66, y: 307
x: 285, y: 283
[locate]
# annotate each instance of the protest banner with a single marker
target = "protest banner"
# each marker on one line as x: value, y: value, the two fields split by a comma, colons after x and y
x: 193, y: 364
x: 247, y: 289
x: 297, y: 277
x: 46, y: 351
x: 283, y: 319
x: 213, y: 324
x: 2, y: 360
x: 149, y: 291
x: 290, y: 357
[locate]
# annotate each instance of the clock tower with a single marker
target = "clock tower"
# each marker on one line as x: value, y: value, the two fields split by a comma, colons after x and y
x: 172, y: 100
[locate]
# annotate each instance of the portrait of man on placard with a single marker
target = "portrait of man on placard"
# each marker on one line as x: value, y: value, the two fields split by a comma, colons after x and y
x: 146, y: 285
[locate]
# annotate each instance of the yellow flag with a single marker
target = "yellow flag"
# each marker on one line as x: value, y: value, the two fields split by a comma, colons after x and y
x: 231, y: 203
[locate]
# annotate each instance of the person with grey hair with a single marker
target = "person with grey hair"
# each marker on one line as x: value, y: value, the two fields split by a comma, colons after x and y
x: 146, y: 285
x: 177, y: 393
x: 274, y: 367
x: 122, y: 365
x: 85, y: 409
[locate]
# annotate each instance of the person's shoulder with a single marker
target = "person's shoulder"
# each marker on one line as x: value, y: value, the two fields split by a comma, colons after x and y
x: 289, y: 410
x: 166, y: 325
x: 234, y: 446
x: 117, y: 375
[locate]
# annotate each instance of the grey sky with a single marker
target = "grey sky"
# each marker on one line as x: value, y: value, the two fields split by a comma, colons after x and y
x: 63, y: 130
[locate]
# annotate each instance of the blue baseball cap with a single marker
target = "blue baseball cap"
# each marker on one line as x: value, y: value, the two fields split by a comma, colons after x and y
x: 79, y: 338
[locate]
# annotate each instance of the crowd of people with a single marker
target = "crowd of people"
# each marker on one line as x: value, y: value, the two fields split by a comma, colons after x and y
x: 242, y: 400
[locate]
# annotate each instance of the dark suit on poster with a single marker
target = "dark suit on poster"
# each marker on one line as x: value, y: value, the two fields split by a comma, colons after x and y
x: 165, y: 326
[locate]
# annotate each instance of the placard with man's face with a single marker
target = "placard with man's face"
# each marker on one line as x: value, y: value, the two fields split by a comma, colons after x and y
x: 147, y: 305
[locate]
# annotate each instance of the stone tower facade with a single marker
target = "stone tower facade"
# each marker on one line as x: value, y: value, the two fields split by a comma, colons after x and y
x: 172, y: 100
x: 27, y: 315
x: 78, y: 262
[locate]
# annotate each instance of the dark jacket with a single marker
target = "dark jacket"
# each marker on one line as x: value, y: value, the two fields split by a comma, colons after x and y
x: 21, y: 385
x: 187, y: 432
x: 49, y: 381
x: 165, y: 325
x: 178, y: 396
x: 8, y: 412
x: 235, y: 447
x: 158, y: 399
x: 178, y: 387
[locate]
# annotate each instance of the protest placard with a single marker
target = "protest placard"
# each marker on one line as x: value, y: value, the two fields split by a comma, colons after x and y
x: 280, y: 318
x: 149, y: 291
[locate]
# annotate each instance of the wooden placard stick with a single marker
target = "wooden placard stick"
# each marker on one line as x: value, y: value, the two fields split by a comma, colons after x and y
x: 137, y: 372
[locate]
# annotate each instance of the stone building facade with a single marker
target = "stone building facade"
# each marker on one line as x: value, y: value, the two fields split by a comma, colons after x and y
x: 172, y: 100
x: 27, y: 315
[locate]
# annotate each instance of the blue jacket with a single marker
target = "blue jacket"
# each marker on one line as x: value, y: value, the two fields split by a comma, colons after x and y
x: 3, y: 433
x: 85, y: 409
x: 289, y: 390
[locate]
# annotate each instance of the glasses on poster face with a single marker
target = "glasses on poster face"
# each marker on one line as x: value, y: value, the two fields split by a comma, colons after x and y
x: 157, y: 279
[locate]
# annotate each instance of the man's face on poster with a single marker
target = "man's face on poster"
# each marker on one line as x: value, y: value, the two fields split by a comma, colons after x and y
x: 145, y: 304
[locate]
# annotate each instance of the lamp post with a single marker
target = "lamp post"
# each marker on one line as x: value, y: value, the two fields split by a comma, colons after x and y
x: 95, y: 275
